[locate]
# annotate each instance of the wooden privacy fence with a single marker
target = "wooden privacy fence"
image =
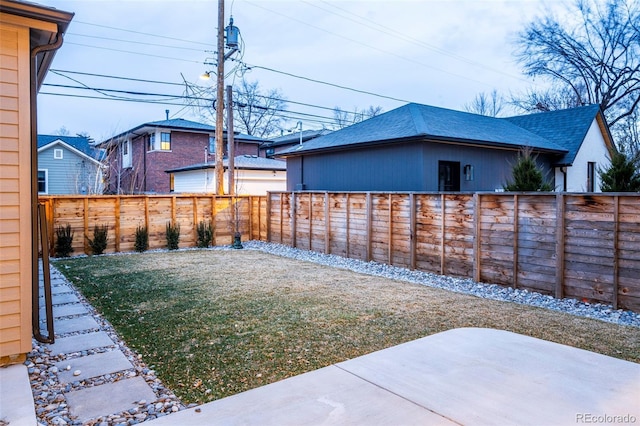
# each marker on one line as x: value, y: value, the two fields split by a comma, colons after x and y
x: 124, y: 213
x: 584, y: 246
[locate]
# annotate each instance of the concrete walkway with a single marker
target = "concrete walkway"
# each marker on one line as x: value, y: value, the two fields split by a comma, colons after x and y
x: 464, y: 376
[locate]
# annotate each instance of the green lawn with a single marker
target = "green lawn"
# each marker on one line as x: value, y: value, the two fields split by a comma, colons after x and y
x: 214, y: 323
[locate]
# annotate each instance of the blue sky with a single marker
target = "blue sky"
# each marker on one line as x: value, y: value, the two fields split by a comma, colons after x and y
x: 439, y: 53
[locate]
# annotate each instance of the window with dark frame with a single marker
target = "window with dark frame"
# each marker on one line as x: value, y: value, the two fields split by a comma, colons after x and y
x: 152, y: 142
x: 42, y: 181
x: 591, y: 176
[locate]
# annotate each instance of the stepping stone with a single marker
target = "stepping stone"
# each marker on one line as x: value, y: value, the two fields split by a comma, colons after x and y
x: 61, y: 298
x: 71, y: 325
x: 80, y: 342
x: 92, y: 366
x: 110, y: 398
x: 59, y: 289
x: 66, y: 310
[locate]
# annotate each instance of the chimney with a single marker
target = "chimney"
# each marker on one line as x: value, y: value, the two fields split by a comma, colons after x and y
x: 166, y: 112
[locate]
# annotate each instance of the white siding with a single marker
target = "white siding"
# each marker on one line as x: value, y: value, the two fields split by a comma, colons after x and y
x: 249, y: 182
x: 593, y: 149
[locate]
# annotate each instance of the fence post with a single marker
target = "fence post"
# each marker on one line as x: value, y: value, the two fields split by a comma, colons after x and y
x: 117, y: 223
x: 412, y: 231
x: 347, y: 220
x: 515, y: 240
x: 616, y: 266
x: 390, y: 235
x: 327, y: 224
x: 86, y: 225
x: 442, y: 232
x: 293, y: 219
x: 476, y: 237
x: 559, y: 246
x: 310, y: 221
x: 213, y: 219
x: 369, y: 209
x: 195, y: 218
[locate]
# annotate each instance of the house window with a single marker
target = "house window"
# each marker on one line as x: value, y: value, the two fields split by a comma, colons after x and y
x: 448, y: 176
x: 152, y: 142
x: 212, y: 144
x: 58, y: 154
x: 126, y: 154
x: 43, y: 181
x: 591, y: 176
x: 165, y: 141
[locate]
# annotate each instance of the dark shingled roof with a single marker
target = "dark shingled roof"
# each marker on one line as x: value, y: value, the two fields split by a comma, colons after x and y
x: 416, y: 121
x: 80, y: 143
x: 566, y: 128
x: 182, y: 124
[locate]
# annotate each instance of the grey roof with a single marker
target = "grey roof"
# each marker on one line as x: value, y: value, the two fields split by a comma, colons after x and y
x: 420, y: 122
x: 566, y: 128
x: 247, y: 162
x: 80, y: 143
x: 294, y: 137
x: 181, y: 124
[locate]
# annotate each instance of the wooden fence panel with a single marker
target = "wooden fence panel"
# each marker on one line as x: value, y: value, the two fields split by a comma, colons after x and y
x: 457, y: 233
x: 497, y: 239
x: 123, y: 214
x: 428, y: 232
x: 589, y: 247
x: 536, y: 243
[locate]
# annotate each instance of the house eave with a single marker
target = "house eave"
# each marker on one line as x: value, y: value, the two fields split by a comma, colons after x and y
x: 419, y: 138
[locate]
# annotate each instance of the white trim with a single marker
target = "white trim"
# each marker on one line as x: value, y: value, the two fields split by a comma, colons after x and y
x: 127, y: 162
x: 70, y: 148
x: 58, y: 154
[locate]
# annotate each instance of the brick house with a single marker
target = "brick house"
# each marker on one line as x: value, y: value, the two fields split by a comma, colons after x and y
x: 136, y: 159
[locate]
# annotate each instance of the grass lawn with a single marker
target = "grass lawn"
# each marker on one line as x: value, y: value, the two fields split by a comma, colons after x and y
x: 214, y: 323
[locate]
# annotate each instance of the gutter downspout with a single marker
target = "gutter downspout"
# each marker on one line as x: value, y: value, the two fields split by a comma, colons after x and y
x: 35, y: 275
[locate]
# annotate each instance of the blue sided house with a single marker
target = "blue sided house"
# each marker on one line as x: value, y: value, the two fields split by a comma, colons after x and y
x: 68, y: 165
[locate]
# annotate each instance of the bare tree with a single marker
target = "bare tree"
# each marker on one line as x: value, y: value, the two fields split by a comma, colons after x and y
x: 490, y: 104
x: 343, y: 118
x: 594, y: 52
x: 256, y: 113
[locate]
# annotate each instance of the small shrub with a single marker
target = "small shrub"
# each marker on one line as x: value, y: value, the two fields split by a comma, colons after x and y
x: 527, y: 175
x: 142, y: 239
x: 99, y: 242
x: 64, y: 241
x: 205, y: 234
x: 173, y: 236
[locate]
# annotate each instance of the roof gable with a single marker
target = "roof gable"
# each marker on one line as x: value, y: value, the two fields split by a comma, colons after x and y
x: 567, y: 128
x: 78, y: 143
x: 413, y: 121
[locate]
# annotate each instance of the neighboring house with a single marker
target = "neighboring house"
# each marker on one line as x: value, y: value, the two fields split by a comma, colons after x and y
x: 253, y: 176
x: 30, y: 35
x: 136, y: 160
x: 282, y: 143
x: 425, y: 148
x: 68, y: 165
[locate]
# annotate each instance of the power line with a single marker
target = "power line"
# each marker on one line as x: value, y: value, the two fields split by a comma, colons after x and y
x: 365, y: 44
x: 133, y: 53
x: 164, y: 46
x: 59, y: 72
x: 327, y: 83
x: 141, y: 33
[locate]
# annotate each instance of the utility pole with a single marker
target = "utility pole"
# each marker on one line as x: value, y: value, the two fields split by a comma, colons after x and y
x: 219, y: 167
x: 230, y: 140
